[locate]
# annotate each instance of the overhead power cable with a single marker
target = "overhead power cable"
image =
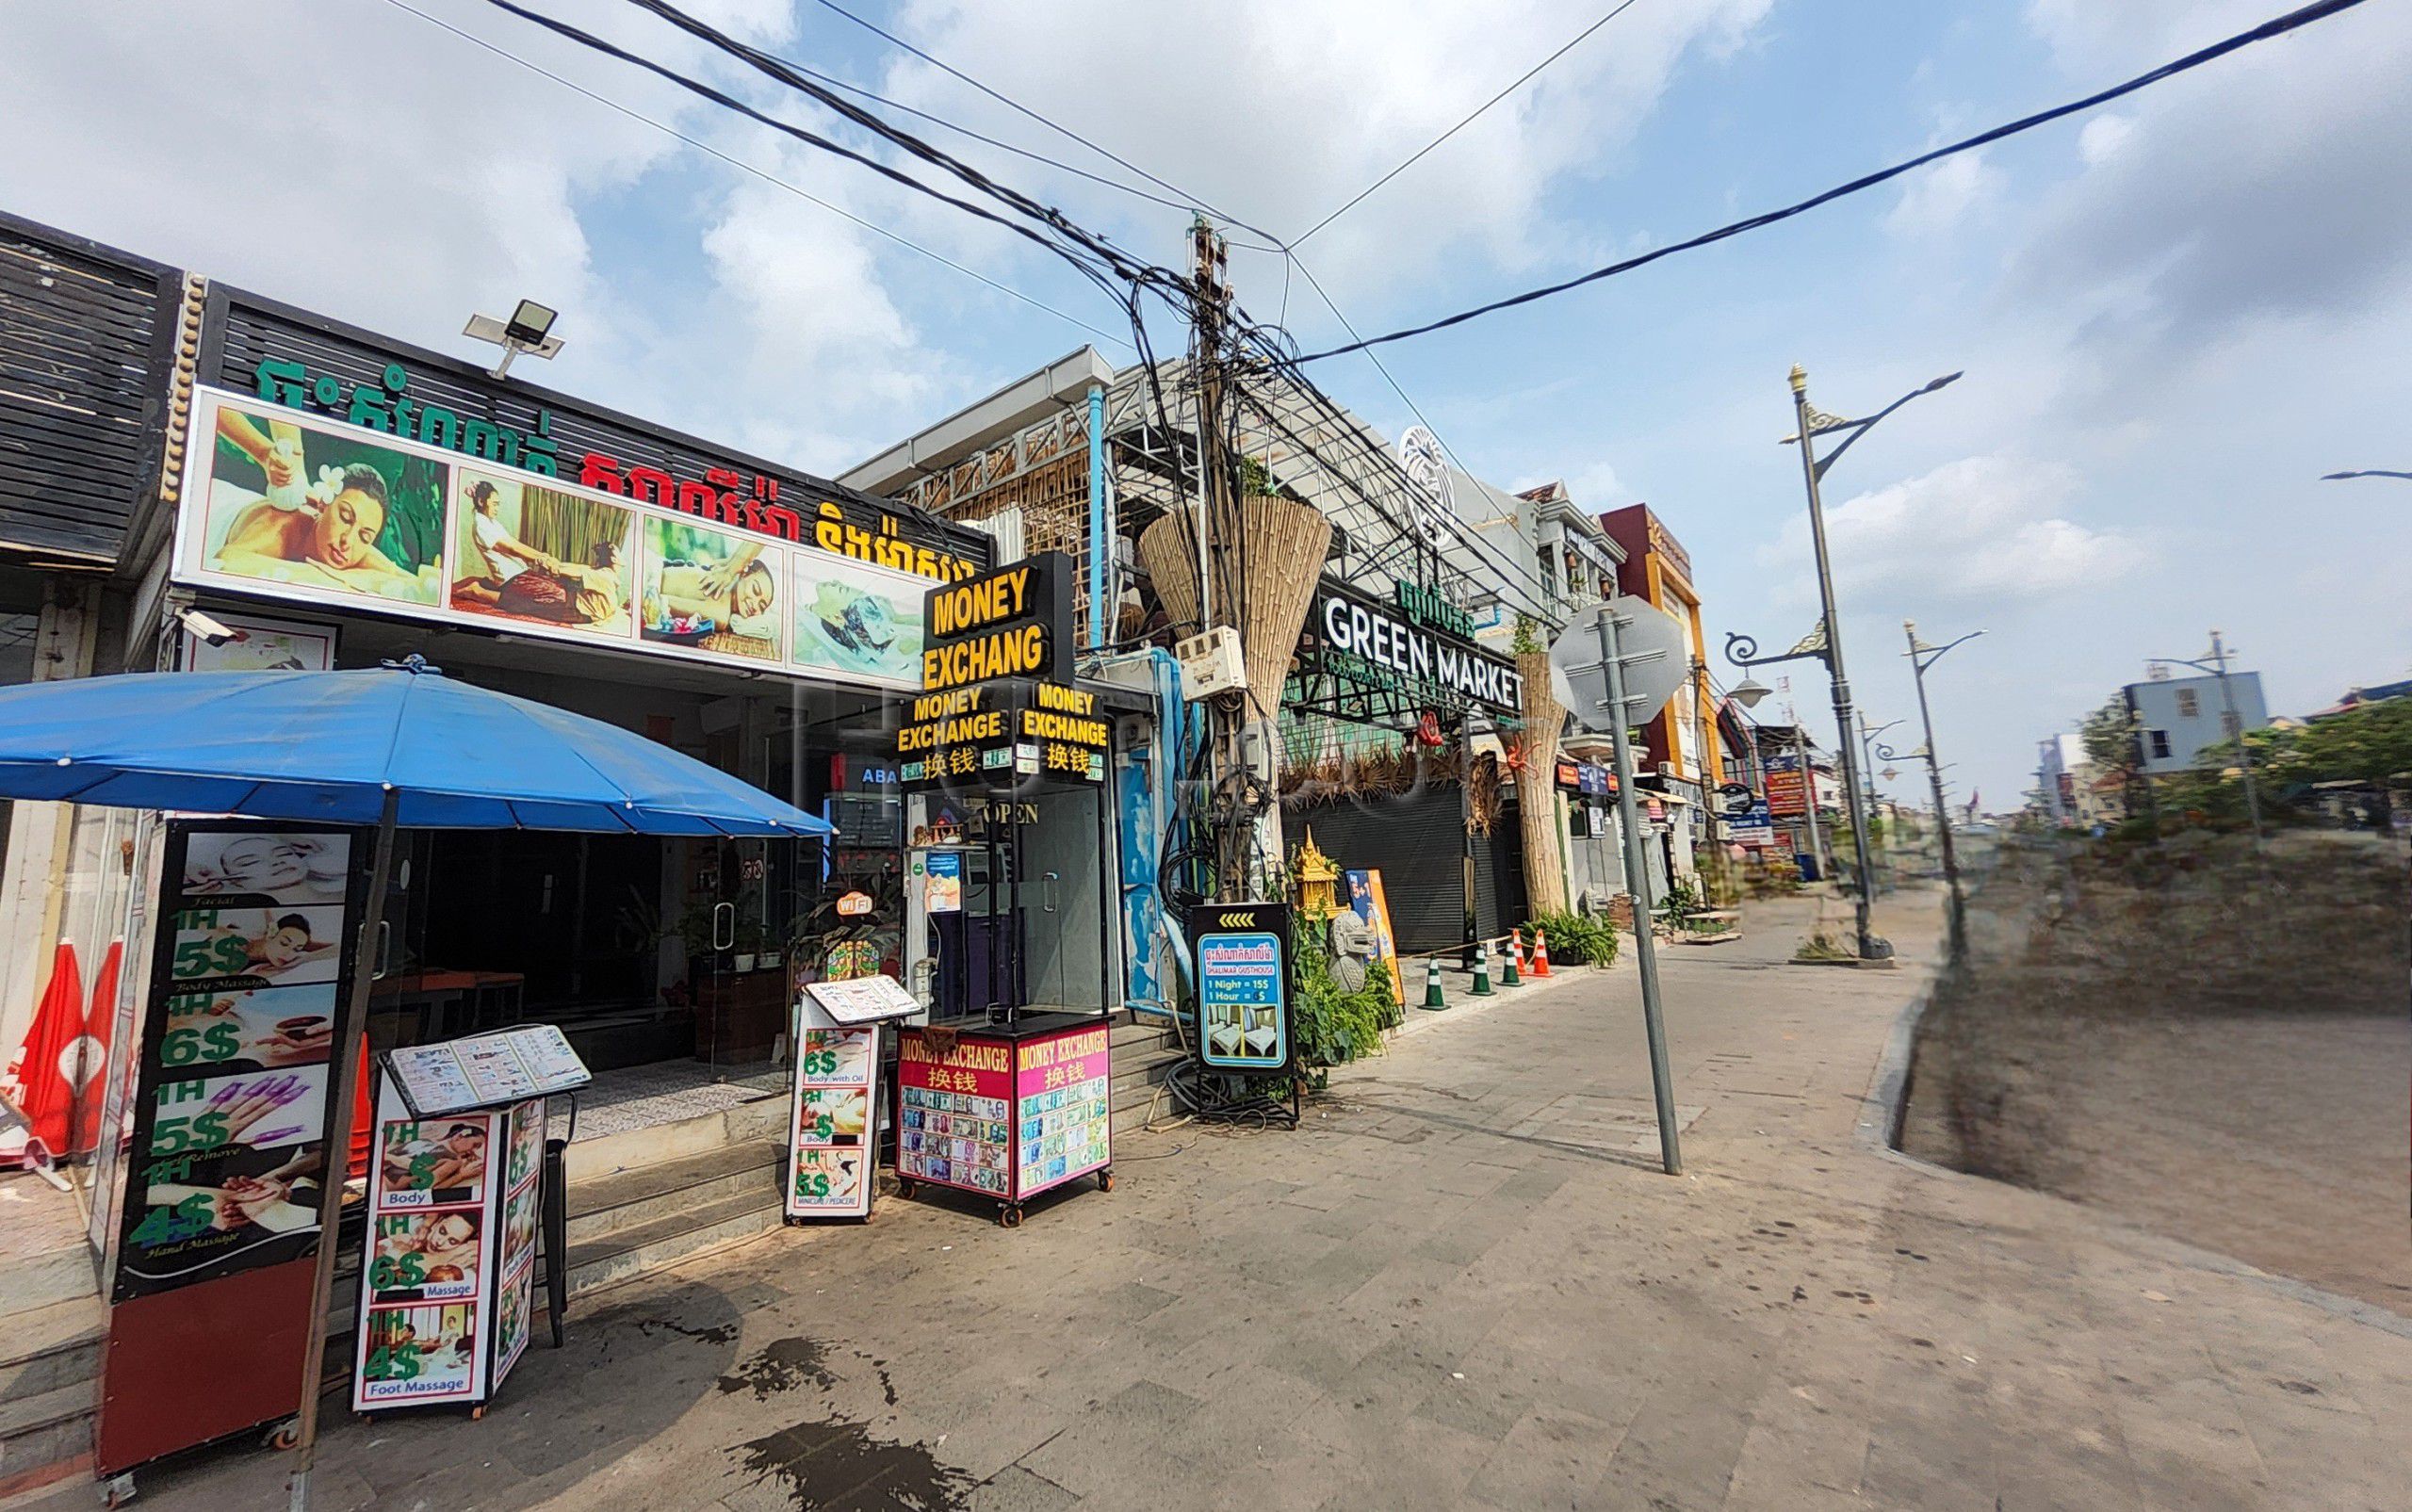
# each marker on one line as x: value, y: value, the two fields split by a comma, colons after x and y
x: 1521, y: 81
x: 1057, y: 163
x: 812, y: 138
x: 1540, y: 599
x: 763, y: 174
x: 1188, y: 199
x: 2277, y: 26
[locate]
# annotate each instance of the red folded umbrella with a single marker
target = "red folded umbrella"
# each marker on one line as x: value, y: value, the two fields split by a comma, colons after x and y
x: 100, y: 1025
x: 46, y: 1067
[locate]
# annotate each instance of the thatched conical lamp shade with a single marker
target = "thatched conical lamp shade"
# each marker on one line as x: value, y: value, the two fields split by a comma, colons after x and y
x: 1282, y: 545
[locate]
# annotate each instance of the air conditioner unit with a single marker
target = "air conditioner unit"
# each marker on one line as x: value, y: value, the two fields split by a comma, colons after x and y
x: 1211, y: 663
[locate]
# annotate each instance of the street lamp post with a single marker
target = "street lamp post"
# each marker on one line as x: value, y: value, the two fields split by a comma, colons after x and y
x: 1812, y: 424
x: 1923, y: 656
x: 1867, y: 768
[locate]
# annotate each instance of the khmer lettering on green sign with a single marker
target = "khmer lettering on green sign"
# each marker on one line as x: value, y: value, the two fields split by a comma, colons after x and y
x: 385, y: 406
x: 1426, y: 606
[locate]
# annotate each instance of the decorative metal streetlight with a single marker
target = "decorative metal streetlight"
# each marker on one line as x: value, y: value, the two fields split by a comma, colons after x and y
x: 1923, y: 656
x: 1825, y: 643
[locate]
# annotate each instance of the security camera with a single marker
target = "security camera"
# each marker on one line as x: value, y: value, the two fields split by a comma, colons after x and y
x: 213, y: 631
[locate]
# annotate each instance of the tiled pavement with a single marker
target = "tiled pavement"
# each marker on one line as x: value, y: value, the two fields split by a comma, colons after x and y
x: 1463, y: 1284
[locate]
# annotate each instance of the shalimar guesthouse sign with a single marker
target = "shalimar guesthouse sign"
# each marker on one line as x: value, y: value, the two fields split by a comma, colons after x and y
x: 722, y: 495
x: 1422, y: 647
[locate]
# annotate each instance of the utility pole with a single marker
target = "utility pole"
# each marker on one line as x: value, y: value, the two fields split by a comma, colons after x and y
x: 1809, y: 470
x: 1218, y: 544
x: 2243, y: 752
x: 1645, y: 945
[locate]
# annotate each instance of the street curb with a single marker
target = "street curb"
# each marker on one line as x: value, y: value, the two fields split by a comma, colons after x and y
x: 1887, y: 1105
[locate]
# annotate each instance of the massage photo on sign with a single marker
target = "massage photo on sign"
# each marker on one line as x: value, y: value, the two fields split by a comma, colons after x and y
x: 709, y: 589
x: 522, y: 551
x: 289, y: 503
x: 268, y: 868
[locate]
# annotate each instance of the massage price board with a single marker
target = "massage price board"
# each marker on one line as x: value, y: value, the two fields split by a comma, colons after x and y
x: 449, y: 1278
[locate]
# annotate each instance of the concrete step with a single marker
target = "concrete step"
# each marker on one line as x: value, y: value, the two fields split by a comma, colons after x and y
x: 46, y: 1348
x: 1142, y: 1031
x: 1136, y: 1073
x: 628, y: 1252
x: 1133, y: 1092
x: 50, y: 1389
x: 47, y: 1439
x: 627, y: 1199
x: 46, y: 1277
x: 765, y: 1117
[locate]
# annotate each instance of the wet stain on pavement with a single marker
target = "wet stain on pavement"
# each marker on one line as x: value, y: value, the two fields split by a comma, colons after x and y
x: 717, y: 1334
x: 781, y: 1365
x: 838, y: 1464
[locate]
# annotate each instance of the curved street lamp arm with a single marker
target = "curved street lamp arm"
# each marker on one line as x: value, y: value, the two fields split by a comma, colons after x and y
x: 1743, y: 651
x: 1928, y: 656
x: 2363, y: 472
x: 1861, y: 427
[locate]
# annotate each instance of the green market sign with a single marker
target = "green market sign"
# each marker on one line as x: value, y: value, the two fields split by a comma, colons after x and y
x: 1423, y: 650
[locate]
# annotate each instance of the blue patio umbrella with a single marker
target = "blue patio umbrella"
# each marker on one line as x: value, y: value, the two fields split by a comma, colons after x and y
x: 398, y: 745
x: 329, y: 747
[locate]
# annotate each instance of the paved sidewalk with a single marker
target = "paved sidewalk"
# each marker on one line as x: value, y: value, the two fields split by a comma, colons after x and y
x: 1464, y: 1284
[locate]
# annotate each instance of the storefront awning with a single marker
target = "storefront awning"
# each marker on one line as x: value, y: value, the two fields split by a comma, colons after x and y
x: 329, y: 747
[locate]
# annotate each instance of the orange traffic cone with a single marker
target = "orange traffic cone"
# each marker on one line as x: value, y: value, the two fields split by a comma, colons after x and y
x: 1540, y: 952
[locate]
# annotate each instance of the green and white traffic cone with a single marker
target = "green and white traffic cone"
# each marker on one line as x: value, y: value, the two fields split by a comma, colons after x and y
x: 1509, y: 975
x: 1432, y: 998
x: 1482, y: 969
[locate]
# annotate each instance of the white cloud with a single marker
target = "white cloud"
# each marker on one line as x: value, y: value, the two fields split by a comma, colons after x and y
x: 1278, y: 113
x: 2261, y: 187
x: 1982, y: 531
x: 358, y: 161
x: 2103, y: 136
x: 1939, y: 198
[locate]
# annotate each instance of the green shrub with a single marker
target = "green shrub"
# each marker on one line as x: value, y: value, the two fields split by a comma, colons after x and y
x: 1575, y: 940
x: 1335, y: 1026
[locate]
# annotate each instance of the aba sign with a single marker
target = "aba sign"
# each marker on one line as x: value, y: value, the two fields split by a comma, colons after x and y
x: 1242, y: 953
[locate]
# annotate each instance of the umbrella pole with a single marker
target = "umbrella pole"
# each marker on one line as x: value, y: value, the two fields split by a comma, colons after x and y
x: 338, y: 1155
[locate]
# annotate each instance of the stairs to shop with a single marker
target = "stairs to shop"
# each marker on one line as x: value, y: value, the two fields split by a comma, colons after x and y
x: 1145, y: 1052
x: 654, y: 1196
x: 52, y: 1327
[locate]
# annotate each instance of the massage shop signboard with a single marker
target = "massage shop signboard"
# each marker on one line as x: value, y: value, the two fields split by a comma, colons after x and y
x: 279, y: 503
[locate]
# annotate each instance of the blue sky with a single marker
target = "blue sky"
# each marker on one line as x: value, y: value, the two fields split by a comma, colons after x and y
x: 2174, y: 315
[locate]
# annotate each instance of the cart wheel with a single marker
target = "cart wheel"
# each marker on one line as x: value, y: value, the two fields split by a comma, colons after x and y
x: 1105, y: 1180
x: 284, y: 1435
x: 1009, y: 1217
x: 905, y: 1188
